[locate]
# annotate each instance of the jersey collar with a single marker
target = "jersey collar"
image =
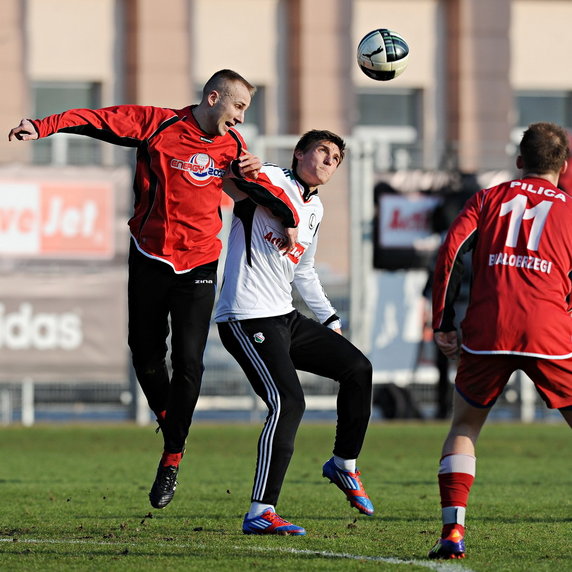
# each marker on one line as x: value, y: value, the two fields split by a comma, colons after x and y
x: 307, y: 191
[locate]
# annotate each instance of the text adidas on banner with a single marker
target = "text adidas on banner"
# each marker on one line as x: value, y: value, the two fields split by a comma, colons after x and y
x: 26, y: 328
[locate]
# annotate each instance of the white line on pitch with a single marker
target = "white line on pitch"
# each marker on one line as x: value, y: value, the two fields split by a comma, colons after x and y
x: 437, y: 566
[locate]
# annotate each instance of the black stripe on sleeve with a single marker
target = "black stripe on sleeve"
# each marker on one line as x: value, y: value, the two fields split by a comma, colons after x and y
x: 448, y: 318
x: 263, y: 197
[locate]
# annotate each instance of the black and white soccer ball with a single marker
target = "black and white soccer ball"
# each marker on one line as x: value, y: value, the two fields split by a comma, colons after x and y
x: 383, y: 54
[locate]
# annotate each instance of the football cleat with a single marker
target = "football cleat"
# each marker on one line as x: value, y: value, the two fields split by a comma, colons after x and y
x: 163, y: 488
x: 270, y: 523
x: 350, y: 484
x: 453, y: 546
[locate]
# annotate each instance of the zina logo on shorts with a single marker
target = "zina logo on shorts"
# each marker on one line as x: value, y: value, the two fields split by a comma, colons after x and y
x: 199, y: 168
x: 23, y: 329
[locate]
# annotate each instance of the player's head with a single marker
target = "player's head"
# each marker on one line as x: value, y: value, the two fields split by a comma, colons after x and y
x: 221, y: 80
x: 317, y: 155
x: 543, y: 149
x: 226, y: 97
x: 565, y: 181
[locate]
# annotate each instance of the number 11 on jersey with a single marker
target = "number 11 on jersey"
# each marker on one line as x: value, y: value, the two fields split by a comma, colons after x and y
x: 516, y: 207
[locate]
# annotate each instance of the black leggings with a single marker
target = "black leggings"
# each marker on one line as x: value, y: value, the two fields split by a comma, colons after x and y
x: 156, y: 292
x: 270, y: 350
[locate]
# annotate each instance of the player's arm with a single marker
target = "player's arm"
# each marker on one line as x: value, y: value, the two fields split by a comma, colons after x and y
x: 291, y: 237
x: 449, y: 266
x: 25, y: 131
x: 448, y: 343
x: 264, y: 193
x: 248, y: 165
x: 267, y: 194
x: 230, y: 188
x: 308, y: 284
x: 125, y: 125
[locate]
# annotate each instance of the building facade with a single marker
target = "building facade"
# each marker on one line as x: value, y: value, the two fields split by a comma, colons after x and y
x: 479, y: 70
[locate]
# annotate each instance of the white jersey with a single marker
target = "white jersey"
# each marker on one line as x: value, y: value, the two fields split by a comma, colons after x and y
x: 258, y: 276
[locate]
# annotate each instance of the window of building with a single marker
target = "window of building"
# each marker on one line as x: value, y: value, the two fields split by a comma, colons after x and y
x: 553, y: 106
x: 398, y: 107
x: 392, y: 118
x: 66, y: 149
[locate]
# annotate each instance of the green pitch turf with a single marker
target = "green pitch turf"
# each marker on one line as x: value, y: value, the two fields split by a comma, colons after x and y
x: 75, y: 498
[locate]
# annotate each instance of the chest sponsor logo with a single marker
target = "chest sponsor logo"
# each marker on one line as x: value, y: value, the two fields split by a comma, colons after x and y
x: 199, y: 169
x: 279, y: 243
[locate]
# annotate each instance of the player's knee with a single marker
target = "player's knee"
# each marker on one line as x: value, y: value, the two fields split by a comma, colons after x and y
x: 362, y: 371
x: 293, y: 406
x: 146, y: 366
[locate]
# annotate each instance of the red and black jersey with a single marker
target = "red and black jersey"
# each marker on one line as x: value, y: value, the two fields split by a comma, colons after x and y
x: 178, y: 177
x: 521, y: 236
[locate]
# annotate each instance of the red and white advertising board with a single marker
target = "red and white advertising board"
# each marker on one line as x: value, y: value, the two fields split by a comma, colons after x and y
x: 53, y: 219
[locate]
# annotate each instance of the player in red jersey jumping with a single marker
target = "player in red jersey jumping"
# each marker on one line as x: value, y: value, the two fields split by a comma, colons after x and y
x: 182, y: 157
x: 518, y: 317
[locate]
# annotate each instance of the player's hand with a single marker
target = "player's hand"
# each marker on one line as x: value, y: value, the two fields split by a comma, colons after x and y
x: 24, y: 132
x: 448, y: 343
x: 249, y: 165
x: 291, y: 237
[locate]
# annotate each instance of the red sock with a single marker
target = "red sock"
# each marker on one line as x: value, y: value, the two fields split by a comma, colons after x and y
x: 455, y: 488
x: 171, y: 459
x: 456, y: 477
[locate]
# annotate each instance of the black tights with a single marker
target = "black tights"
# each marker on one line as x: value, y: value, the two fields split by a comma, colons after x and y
x: 155, y: 293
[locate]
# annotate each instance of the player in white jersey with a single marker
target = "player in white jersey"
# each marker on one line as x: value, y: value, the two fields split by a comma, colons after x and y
x: 270, y: 339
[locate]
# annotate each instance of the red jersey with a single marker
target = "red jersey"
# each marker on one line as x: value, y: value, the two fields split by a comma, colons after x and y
x: 178, y: 177
x: 521, y: 236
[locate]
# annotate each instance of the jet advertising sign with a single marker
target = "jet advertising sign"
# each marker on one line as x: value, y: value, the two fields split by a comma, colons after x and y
x: 56, y: 219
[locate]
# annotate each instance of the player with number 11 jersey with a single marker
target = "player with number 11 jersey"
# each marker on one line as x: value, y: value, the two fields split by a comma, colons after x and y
x: 521, y: 232
x: 518, y: 317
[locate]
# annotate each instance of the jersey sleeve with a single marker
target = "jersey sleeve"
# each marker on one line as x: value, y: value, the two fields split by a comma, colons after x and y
x: 449, y: 267
x: 126, y: 125
x: 309, y: 286
x: 268, y: 193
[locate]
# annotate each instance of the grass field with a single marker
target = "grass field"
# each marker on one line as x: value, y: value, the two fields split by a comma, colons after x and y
x: 75, y: 498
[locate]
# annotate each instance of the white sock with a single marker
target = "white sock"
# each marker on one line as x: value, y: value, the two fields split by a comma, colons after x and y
x: 257, y: 508
x: 345, y: 464
x: 453, y: 515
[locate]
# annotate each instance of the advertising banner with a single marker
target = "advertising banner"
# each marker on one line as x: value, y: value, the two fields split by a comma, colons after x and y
x: 404, y: 232
x: 64, y: 327
x: 57, y: 219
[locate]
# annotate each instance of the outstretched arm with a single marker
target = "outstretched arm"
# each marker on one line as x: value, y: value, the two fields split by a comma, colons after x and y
x: 125, y: 125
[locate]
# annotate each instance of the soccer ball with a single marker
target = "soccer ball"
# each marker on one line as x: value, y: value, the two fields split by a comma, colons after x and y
x: 382, y: 54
